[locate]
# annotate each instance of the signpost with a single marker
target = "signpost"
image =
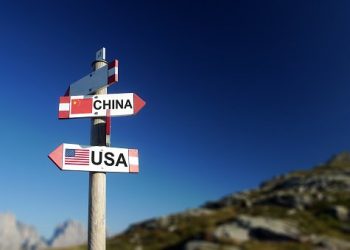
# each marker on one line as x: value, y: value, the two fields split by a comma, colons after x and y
x: 88, y: 97
x: 96, y: 159
x: 97, y: 105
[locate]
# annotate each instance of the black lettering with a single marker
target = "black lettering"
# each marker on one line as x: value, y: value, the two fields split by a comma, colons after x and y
x: 95, y: 106
x: 119, y: 103
x: 121, y: 160
x: 106, y: 104
x: 93, y: 158
x: 109, y: 159
x: 128, y: 104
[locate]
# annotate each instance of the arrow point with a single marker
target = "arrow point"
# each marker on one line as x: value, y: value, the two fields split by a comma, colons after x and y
x: 56, y: 156
x: 138, y: 103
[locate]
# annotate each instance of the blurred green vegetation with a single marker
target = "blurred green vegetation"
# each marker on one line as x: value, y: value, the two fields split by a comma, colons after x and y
x: 313, y: 220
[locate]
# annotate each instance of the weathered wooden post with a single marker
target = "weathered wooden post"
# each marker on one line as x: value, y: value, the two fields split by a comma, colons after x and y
x: 97, y: 180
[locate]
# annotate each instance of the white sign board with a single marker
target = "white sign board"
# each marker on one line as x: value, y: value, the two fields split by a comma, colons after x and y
x: 95, y: 158
x: 98, y: 105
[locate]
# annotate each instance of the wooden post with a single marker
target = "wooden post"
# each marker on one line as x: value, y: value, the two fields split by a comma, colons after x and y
x: 97, y: 180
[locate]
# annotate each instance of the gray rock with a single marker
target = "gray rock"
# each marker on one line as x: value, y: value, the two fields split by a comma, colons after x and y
x: 301, y: 189
x: 291, y: 212
x: 70, y: 233
x: 10, y: 237
x: 135, y: 238
x: 329, y: 243
x: 263, y: 228
x: 339, y: 212
x: 30, y: 237
x: 329, y: 181
x: 287, y: 199
x: 205, y: 245
x: 231, y: 233
x: 164, y: 221
x: 15, y: 235
x: 319, y: 196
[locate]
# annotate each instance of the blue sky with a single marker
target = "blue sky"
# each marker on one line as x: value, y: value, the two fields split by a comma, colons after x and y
x: 236, y: 92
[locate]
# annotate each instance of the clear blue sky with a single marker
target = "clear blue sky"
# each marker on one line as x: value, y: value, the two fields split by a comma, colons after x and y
x: 236, y: 92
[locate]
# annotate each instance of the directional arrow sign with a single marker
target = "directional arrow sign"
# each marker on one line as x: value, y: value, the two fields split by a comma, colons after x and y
x: 97, y: 105
x: 95, y: 158
x: 96, y: 80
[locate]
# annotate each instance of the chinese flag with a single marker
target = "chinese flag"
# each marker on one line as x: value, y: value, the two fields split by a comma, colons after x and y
x: 81, y: 106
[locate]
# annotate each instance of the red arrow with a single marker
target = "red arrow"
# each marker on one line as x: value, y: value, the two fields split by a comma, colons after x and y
x: 56, y: 156
x: 138, y: 103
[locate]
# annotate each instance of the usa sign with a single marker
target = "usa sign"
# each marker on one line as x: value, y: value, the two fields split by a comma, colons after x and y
x: 95, y: 158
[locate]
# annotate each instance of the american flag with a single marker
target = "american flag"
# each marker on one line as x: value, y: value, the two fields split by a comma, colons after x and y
x: 77, y: 156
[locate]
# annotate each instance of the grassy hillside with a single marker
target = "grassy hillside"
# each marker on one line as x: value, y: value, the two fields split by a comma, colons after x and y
x: 299, y: 210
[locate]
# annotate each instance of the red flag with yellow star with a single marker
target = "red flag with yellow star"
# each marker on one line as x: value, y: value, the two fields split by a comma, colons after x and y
x: 81, y: 106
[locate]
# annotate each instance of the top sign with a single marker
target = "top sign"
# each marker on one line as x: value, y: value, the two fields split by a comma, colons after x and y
x: 96, y: 80
x: 98, y: 105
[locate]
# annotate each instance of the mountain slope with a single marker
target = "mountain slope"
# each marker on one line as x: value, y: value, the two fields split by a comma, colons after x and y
x: 15, y: 235
x: 300, y: 210
x: 68, y: 234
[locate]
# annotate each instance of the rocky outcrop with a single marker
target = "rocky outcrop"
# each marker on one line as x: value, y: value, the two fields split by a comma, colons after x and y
x: 70, y: 233
x: 204, y: 245
x: 263, y: 228
x: 238, y: 199
x: 231, y: 233
x: 339, y: 212
x: 323, y: 242
x: 15, y: 235
x: 299, y: 210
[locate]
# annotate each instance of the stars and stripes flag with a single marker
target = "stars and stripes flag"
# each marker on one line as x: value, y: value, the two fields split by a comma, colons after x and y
x: 77, y: 156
